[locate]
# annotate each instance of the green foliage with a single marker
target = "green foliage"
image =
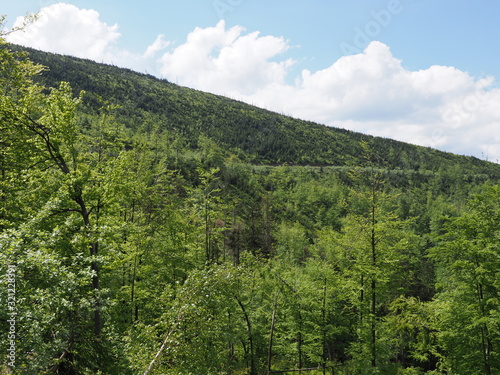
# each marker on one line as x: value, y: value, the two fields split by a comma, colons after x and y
x: 156, y: 229
x: 256, y: 135
x: 468, y: 286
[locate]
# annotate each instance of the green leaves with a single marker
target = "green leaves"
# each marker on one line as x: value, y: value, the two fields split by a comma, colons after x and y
x: 145, y: 241
x: 468, y: 264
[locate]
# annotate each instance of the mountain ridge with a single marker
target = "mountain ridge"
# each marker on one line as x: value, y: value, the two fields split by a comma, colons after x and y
x: 259, y: 136
x: 162, y: 228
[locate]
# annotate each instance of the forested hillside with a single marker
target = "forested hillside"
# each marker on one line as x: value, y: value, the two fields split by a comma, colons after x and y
x: 254, y: 134
x: 154, y: 229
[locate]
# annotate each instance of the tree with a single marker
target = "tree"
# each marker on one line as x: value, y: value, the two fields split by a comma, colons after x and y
x: 468, y: 264
x: 207, y: 329
x: 65, y: 196
x: 373, y: 253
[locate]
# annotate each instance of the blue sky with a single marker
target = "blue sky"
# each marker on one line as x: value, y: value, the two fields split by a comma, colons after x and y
x: 421, y: 71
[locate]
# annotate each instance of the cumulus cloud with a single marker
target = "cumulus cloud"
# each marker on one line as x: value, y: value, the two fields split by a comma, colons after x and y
x: 158, y: 45
x: 64, y: 28
x: 370, y: 92
x: 226, y: 61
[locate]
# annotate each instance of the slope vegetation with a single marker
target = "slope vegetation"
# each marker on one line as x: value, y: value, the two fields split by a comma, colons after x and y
x: 255, y: 135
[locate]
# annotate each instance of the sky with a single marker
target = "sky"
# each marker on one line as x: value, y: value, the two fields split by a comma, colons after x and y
x: 420, y: 71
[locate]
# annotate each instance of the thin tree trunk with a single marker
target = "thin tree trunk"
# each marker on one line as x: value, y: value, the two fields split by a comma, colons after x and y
x: 132, y: 291
x: 162, y: 348
x: 485, y: 337
x: 361, y: 300
x: 373, y: 326
x: 95, y: 285
x: 253, y: 368
x: 94, y: 250
x: 207, y: 235
x: 323, y: 333
x: 271, y: 335
x: 373, y: 282
x: 300, y: 343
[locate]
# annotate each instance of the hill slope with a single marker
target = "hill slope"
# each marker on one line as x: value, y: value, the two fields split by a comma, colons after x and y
x: 259, y: 136
x: 153, y: 249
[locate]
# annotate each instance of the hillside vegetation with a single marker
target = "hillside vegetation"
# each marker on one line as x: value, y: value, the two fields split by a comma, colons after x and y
x: 257, y: 135
x: 154, y: 229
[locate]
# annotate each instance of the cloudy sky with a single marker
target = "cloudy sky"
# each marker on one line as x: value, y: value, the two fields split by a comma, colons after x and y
x: 420, y: 71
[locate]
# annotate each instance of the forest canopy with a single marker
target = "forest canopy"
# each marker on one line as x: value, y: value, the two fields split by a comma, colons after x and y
x: 153, y: 229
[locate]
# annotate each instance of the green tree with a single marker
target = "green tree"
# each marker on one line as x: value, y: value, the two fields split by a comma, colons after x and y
x: 66, y: 198
x: 373, y: 253
x: 207, y: 329
x: 468, y: 265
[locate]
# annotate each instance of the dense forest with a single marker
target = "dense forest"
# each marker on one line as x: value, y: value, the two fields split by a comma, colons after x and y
x: 147, y: 228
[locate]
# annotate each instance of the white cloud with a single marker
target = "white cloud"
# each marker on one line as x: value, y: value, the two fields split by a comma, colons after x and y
x: 64, y: 28
x: 158, y: 45
x: 225, y: 61
x: 371, y: 92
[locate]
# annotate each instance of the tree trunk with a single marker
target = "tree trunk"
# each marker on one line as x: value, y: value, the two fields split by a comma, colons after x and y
x: 374, y: 282
x: 271, y: 335
x: 485, y: 336
x: 253, y: 368
x: 323, y: 333
x: 94, y: 250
